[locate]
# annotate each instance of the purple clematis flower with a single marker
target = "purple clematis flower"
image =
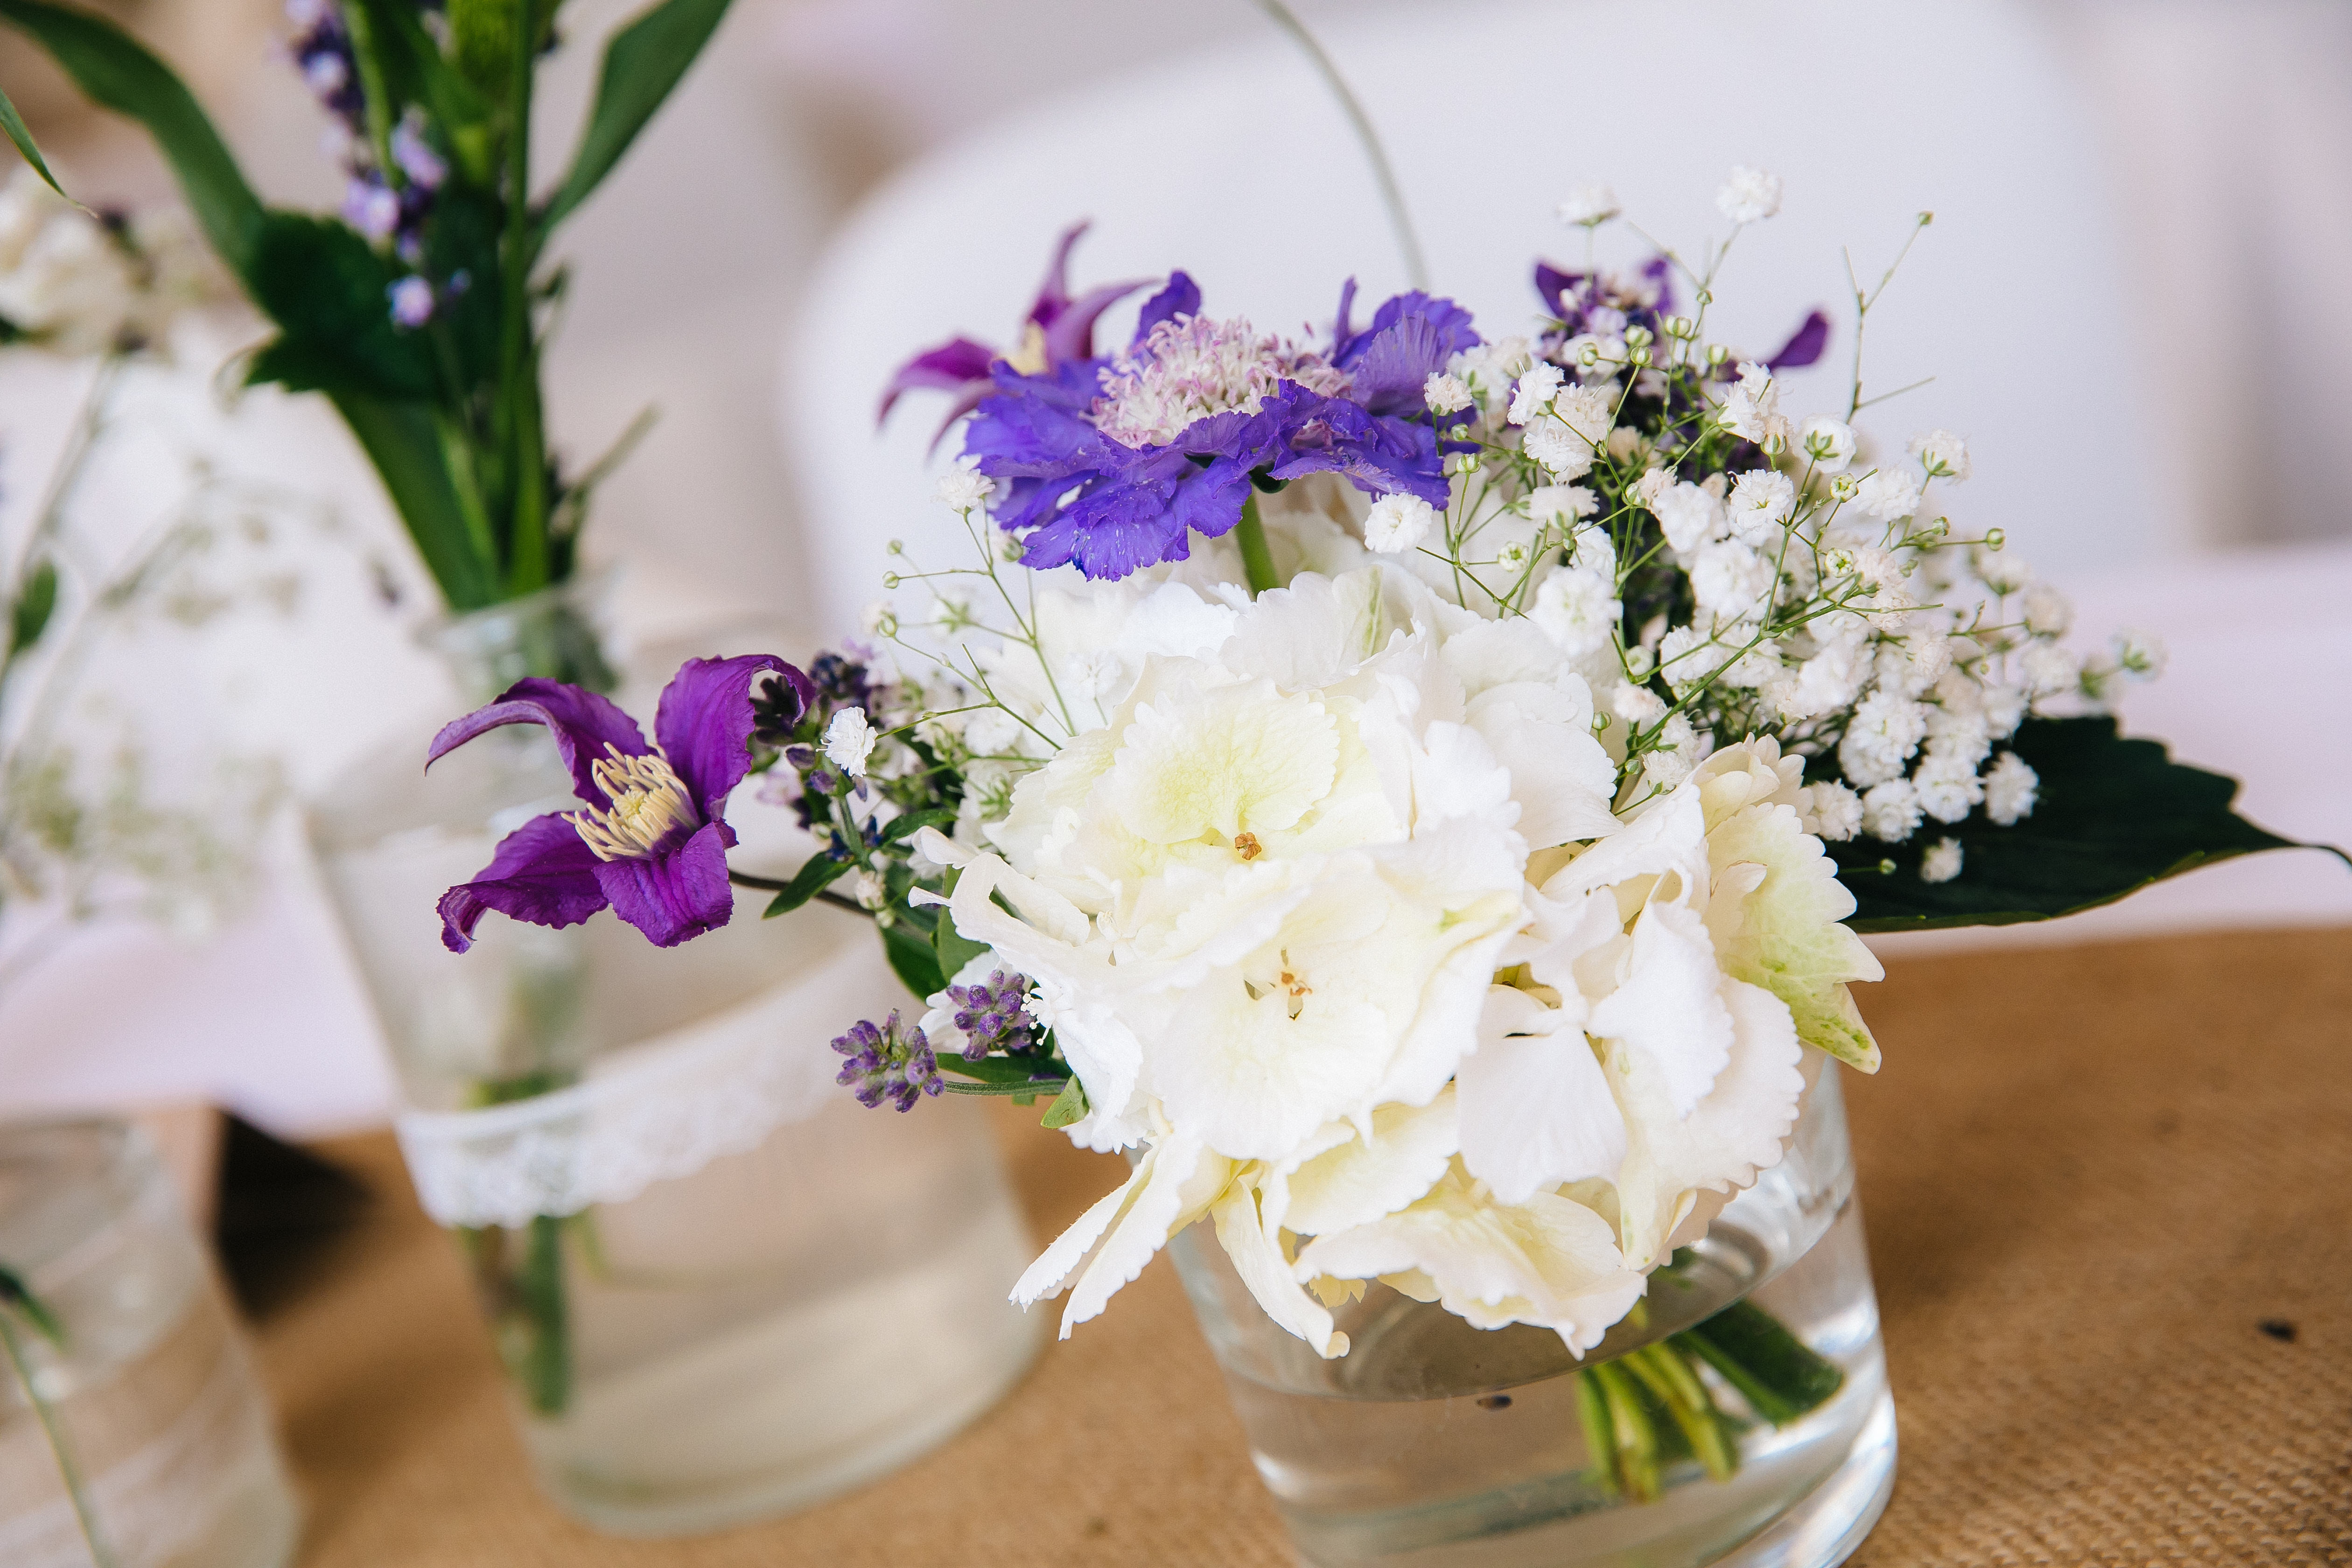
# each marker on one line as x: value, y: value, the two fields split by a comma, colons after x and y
x: 1574, y: 297
x: 1113, y: 464
x: 649, y: 840
x: 1058, y: 328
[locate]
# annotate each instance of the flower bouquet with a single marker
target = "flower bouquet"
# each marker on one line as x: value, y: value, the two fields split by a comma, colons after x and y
x: 1417, y: 795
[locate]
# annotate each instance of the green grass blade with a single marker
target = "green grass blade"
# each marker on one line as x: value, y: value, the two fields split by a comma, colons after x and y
x: 643, y: 63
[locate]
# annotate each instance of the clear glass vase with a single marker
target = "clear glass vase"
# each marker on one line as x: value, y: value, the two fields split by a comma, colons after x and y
x: 133, y: 1434
x: 1739, y: 1416
x: 720, y: 1287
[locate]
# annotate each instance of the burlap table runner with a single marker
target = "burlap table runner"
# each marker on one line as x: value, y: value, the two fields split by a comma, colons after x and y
x: 2109, y: 1199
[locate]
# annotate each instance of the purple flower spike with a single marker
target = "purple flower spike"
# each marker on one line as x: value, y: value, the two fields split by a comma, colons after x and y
x: 992, y: 1015
x: 1059, y: 328
x: 890, y: 1061
x: 649, y: 841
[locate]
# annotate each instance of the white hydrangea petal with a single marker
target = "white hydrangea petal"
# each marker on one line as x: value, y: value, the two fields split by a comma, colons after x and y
x: 1536, y: 1107
x: 1180, y: 1182
x: 1249, y: 1220
x: 1364, y: 1179
x: 1669, y: 1009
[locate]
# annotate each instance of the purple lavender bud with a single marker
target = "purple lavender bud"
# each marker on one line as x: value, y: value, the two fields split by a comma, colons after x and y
x: 417, y: 160
x: 412, y: 303
x: 892, y: 1061
x: 991, y: 1016
x: 325, y: 73
x: 370, y: 207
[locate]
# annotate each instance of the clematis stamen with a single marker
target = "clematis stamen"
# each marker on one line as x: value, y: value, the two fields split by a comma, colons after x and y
x: 650, y: 809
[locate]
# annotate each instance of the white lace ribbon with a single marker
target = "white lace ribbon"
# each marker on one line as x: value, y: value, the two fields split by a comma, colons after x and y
x: 654, y: 1112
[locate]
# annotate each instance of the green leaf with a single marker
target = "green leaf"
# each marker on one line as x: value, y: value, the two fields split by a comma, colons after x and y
x: 914, y: 822
x: 821, y: 872
x: 14, y: 1293
x: 118, y: 72
x: 911, y: 955
x: 953, y: 947
x: 327, y: 291
x: 1068, y: 1106
x: 1007, y: 1072
x: 14, y: 124
x: 403, y: 443
x: 28, y: 617
x: 643, y: 63
x: 2113, y: 815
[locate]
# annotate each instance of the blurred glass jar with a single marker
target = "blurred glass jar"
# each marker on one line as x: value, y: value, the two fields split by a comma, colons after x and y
x: 720, y: 1287
x: 144, y: 1403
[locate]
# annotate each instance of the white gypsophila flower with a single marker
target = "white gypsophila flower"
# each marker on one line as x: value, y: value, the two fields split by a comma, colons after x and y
x: 1881, y: 738
x: 2048, y: 611
x: 1761, y: 503
x: 2001, y: 571
x: 961, y: 489
x: 1961, y: 734
x: 1445, y: 394
x: 2005, y: 707
x: 1929, y: 654
x: 2139, y: 653
x: 1688, y: 516
x: 1680, y: 749
x: 1751, y: 409
x: 1596, y: 356
x: 1749, y: 195
x: 1730, y: 581
x: 1757, y: 668
x: 1653, y: 484
x: 1533, y: 392
x: 1942, y: 454
x: 2050, y: 670
x: 1398, y: 522
x: 1682, y: 659
x: 1828, y: 443
x: 849, y: 740
x: 1890, y: 811
x: 1637, y: 705
x: 1832, y: 811
x: 1577, y: 608
x: 1563, y: 454
x: 870, y: 890
x: 2009, y: 789
x: 1592, y: 547
x: 1941, y: 862
x: 879, y: 618
x: 1590, y: 412
x: 1561, y: 504
x: 1829, y: 679
x: 1947, y: 787
x: 1887, y: 494
x: 952, y: 612
x: 1588, y: 205
x: 1489, y: 369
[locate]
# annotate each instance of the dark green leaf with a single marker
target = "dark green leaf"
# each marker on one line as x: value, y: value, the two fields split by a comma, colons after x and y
x: 402, y: 442
x: 910, y: 956
x: 118, y: 73
x: 1011, y: 1071
x: 327, y: 291
x: 914, y: 822
x: 14, y: 124
x: 28, y: 617
x: 953, y: 949
x: 1068, y: 1106
x: 810, y: 880
x: 414, y: 69
x: 2113, y: 815
x: 641, y: 64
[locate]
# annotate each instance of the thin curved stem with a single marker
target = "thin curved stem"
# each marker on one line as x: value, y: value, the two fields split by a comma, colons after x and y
x: 775, y: 885
x: 1416, y: 269
x: 85, y: 1514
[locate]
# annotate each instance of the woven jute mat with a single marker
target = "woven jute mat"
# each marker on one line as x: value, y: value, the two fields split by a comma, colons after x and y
x: 2108, y: 1192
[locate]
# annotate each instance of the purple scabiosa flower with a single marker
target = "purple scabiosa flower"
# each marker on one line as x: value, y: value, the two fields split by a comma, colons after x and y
x: 1058, y: 328
x: 992, y: 1015
x: 889, y: 1062
x: 412, y: 303
x: 649, y: 840
x: 1112, y: 464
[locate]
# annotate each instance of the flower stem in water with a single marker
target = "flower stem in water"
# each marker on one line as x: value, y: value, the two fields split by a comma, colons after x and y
x: 16, y: 1299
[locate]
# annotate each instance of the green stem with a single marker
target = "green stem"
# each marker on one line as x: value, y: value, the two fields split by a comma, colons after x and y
x: 1257, y: 561
x: 85, y: 1514
x: 529, y: 1308
x: 1781, y: 1379
x: 1636, y: 1442
x: 1667, y: 1375
x: 521, y: 441
x: 1600, y: 1436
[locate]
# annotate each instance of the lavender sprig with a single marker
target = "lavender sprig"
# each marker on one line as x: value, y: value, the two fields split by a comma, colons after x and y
x: 890, y: 1061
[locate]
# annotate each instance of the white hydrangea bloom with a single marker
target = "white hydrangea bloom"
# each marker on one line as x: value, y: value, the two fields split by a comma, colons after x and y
x: 1749, y: 195
x: 1941, y: 862
x: 2009, y: 789
x: 1398, y: 522
x: 1942, y: 454
x: 1588, y: 205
